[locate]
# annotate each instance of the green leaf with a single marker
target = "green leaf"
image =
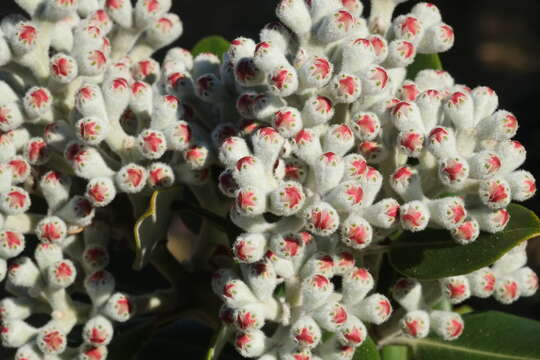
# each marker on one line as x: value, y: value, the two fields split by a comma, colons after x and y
x: 216, y: 45
x: 433, y: 254
x: 368, y: 351
x: 153, y: 225
x: 394, y: 352
x: 487, y: 336
x: 422, y: 62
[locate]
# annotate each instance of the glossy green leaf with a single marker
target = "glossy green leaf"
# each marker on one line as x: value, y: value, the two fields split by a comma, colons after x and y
x: 153, y: 225
x: 394, y: 352
x: 487, y: 336
x: 368, y: 351
x: 433, y: 254
x: 216, y: 45
x: 422, y: 62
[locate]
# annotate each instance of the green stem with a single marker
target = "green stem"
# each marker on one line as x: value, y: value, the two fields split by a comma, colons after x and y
x: 218, y: 343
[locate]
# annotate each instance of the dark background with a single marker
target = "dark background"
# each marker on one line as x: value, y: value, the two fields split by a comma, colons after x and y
x: 496, y: 45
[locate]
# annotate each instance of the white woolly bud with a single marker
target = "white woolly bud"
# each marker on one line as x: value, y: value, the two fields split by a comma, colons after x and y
x: 356, y: 232
x: 64, y: 68
x: 331, y: 315
x: 87, y: 162
x: 99, y: 286
x: 308, y: 146
x: 375, y: 80
x: 406, y: 182
x: 11, y: 116
x: 116, y: 93
x: 131, y: 178
x: 121, y: 12
x: 92, y: 352
x: 283, y: 81
x: 456, y: 288
x: 241, y: 47
x: 414, y: 216
x: 460, y: 109
x: 92, y: 130
x: 415, y: 324
x: 353, y: 332
x: 276, y: 34
x: 441, y: 142
x: 160, y: 175
x: 249, y: 317
x: 20, y: 169
x: 408, y: 293
x: 233, y: 150
x: 36, y: 151
x: 146, y: 12
x: 329, y: 169
x: 374, y: 152
x: 95, y: 257
x: 58, y: 134
x: 434, y: 79
x: 23, y: 36
x: 438, y: 38
x: 374, y: 309
x: 507, y: 289
x: 247, y: 73
x: 484, y: 165
x: 249, y: 248
x: 383, y: 214
x: 15, y: 201
x: 319, y: 263
x: 6, y: 177
x: 262, y: 280
x: 336, y: 26
x: 250, y: 201
x: 205, y: 63
x: 347, y: 196
x: 482, y: 282
x: 513, y: 155
x: 236, y: 293
x: 92, y: 61
x: 16, y: 333
x: 401, y: 53
x: 453, y: 171
x: 287, y: 121
x: 485, y: 102
x: 78, y: 211
x: 406, y: 116
x: 51, y: 229
x: 287, y: 199
x: 12, y: 243
x: 366, y: 125
x: 448, y: 212
x: 287, y: 246
x: 408, y: 27
x: 356, y: 284
x: 380, y: 47
x: 295, y: 15
x: 410, y: 143
x: 264, y: 106
x: 358, y: 54
x: 98, y: 331
x: 315, y: 72
x: 55, y: 188
x: 527, y: 281
x: 7, y: 149
x: 178, y: 136
x: 141, y: 98
x: 321, y: 219
x: 152, y: 143
x: 355, y: 167
x: 448, y: 325
x: 338, y: 139
x: 61, y: 274
x: 100, y: 191
x: 267, y: 144
x: 522, y: 185
x: 343, y: 262
x: 502, y: 125
x: 227, y: 184
x: 23, y: 273
x: 89, y: 101
x: 47, y: 254
x: 491, y: 221
x: 119, y: 307
x: 164, y: 30
x: 467, y: 232
x: 315, y: 291
x: 495, y: 193
x: 37, y: 102
x: 306, y: 333
x: 251, y: 343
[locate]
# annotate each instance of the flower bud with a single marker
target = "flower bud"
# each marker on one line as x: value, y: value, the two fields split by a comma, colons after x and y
x: 250, y: 343
x: 78, y: 210
x: 358, y: 54
x: 522, y: 185
x: 374, y: 309
x: 99, y: 286
x: 306, y: 333
x: 336, y: 26
x: 11, y: 116
x: 356, y: 284
x: 92, y: 130
x: 100, y: 191
x: 401, y: 53
x: 236, y: 293
x: 119, y: 307
x: 23, y: 273
x: 37, y: 102
x: 415, y: 324
x: 249, y: 248
x: 64, y: 68
x: 12, y: 243
x: 353, y: 332
x: 287, y: 199
x: 366, y: 125
x: 456, y: 288
x: 408, y: 293
x: 131, y: 178
x: 61, y: 274
x: 15, y: 201
x: 92, y: 352
x: 55, y: 188
x: 315, y: 291
x: 16, y: 333
x: 527, y: 281
x: 482, y: 282
x: 321, y: 219
x: 495, y: 193
x: 283, y: 81
x: 295, y: 15
x: 448, y: 325
x: 453, y: 171
x: 466, y: 232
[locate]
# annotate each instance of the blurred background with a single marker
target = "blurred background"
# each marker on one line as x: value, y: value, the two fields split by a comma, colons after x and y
x: 496, y: 45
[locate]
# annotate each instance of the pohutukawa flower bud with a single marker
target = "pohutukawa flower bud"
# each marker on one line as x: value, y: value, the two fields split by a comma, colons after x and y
x: 100, y: 191
x: 11, y: 243
x: 249, y: 248
x: 321, y: 219
x: 522, y: 185
x: 414, y: 216
x: 78, y: 211
x: 295, y: 15
x: 37, y: 102
x: 306, y: 333
x: 352, y: 333
x: 415, y: 324
x: 64, y: 68
x: 55, y: 187
x: 23, y: 273
x: 287, y: 121
x: 495, y: 193
x: 456, y: 288
x: 527, y: 281
x: 287, y: 245
x: 366, y: 125
x: 250, y: 201
x: 51, y: 229
x: 448, y: 212
x: 356, y: 284
x: 87, y: 162
x: 287, y: 199
x: 384, y: 214
x: 401, y: 53
x: 358, y: 54
x: 160, y: 175
x: 11, y: 116
x: 448, y: 325
x: 411, y: 143
x: 92, y: 352
x: 356, y: 232
x: 482, y: 282
x: 236, y: 293
x: 92, y: 130
x: 249, y: 317
x: 320, y: 263
x: 152, y: 143
x: 374, y: 309
x: 15, y: 201
x: 119, y: 307
x: 20, y: 169
x: 315, y: 72
x: 466, y: 232
x: 315, y: 291
x: 283, y: 80
x: 507, y: 289
x: 453, y: 171
x: 338, y: 139
x: 61, y: 274
x: 250, y: 343
x: 131, y: 178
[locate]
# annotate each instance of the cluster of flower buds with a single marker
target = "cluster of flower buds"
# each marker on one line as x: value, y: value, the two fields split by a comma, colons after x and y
x: 507, y: 280
x: 40, y: 286
x: 84, y: 114
x: 329, y: 148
